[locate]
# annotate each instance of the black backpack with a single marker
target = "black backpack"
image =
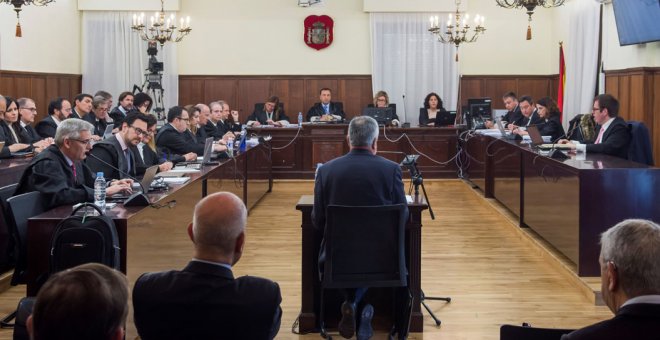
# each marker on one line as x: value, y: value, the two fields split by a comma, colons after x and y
x: 84, y: 239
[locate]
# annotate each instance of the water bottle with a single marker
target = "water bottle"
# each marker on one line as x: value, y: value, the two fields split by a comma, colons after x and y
x: 99, y: 191
x: 300, y: 119
x: 230, y: 147
x: 243, y: 145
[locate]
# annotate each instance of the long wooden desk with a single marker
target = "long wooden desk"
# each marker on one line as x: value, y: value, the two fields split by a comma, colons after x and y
x: 567, y: 202
x: 310, y: 289
x: 11, y: 170
x: 297, y: 151
x: 247, y: 175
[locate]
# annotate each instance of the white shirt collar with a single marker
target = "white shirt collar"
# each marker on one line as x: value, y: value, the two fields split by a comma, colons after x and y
x: 120, y: 139
x: 228, y: 266
x: 607, y: 124
x: 654, y: 299
x: 57, y: 121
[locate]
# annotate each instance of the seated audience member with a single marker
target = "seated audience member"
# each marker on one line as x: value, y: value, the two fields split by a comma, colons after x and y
x: 630, y: 280
x: 125, y: 104
x: 530, y: 113
x: 142, y: 102
x: 99, y: 117
x: 513, y: 114
x: 116, y: 150
x: 431, y: 110
x: 271, y: 114
x: 4, y: 151
x: 15, y: 141
x: 105, y: 95
x: 59, y: 109
x: 232, y: 120
x: 382, y: 100
x: 613, y: 136
x: 549, y: 120
x: 359, y: 178
x: 145, y: 152
x: 204, y: 116
x: 204, y: 300
x: 171, y: 139
x: 82, y: 106
x: 59, y: 173
x: 193, y: 125
x: 89, y: 301
x: 219, y: 125
x: 326, y: 110
x: 27, y: 111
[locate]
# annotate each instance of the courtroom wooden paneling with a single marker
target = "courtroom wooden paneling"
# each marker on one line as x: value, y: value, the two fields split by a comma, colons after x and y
x: 42, y: 87
x: 637, y: 92
x: 494, y: 86
x: 298, y: 93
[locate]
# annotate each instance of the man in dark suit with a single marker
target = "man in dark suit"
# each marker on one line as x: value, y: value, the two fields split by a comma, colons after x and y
x: 359, y: 178
x: 82, y: 106
x: 613, y: 136
x: 326, y: 110
x: 171, y: 140
x: 204, y: 116
x: 59, y: 173
x: 514, y: 115
x: 125, y: 104
x: 59, y: 109
x: 222, y: 121
x: 28, y: 110
x: 116, y: 150
x: 204, y: 300
x: 630, y: 279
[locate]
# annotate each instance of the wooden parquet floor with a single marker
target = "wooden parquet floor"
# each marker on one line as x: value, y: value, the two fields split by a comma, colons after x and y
x: 471, y: 252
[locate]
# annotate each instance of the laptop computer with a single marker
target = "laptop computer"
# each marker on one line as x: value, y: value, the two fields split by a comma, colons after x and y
x: 382, y: 115
x: 108, y: 131
x: 537, y: 140
x: 445, y: 118
x: 206, y: 159
x: 145, y: 183
x: 505, y: 133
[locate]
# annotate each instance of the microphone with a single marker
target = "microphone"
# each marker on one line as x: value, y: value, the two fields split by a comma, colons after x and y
x: 137, y: 199
x: 404, y: 106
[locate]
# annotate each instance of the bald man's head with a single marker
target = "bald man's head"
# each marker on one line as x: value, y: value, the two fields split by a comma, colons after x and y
x: 218, y: 227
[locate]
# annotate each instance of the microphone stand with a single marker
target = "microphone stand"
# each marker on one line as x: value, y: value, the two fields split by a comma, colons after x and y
x: 137, y: 199
x: 410, y: 162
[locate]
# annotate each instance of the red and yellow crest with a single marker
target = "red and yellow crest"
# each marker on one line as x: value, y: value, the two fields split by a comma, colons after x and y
x: 318, y: 31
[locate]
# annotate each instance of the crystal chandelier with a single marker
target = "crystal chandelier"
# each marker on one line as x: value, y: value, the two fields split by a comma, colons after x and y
x: 457, y: 31
x: 530, y: 5
x: 161, y: 28
x: 17, y: 7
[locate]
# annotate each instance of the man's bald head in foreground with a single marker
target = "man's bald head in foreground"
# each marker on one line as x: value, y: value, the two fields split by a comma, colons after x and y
x: 218, y: 228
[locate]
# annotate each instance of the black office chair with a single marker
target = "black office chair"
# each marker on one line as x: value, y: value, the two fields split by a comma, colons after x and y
x: 21, y: 207
x: 6, y: 245
x: 527, y: 332
x: 365, y: 247
x: 640, y: 149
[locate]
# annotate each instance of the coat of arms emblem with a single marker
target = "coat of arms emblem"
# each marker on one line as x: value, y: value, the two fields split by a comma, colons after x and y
x: 318, y: 31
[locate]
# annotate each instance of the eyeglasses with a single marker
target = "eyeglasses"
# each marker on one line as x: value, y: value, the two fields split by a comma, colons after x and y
x: 186, y: 119
x: 596, y: 109
x: 139, y: 131
x: 85, y: 142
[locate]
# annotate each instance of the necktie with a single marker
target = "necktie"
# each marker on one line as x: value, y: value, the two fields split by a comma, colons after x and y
x: 600, y: 135
x: 127, y: 155
x: 326, y: 108
x: 73, y: 168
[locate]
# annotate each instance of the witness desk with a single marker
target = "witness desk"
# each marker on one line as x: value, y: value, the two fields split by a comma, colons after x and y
x: 311, y: 285
x: 296, y: 151
x: 567, y: 202
x: 247, y: 175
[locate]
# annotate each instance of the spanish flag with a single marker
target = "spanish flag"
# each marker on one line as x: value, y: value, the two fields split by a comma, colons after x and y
x: 562, y: 79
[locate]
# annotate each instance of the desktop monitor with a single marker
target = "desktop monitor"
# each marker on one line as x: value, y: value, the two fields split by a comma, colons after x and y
x: 382, y: 115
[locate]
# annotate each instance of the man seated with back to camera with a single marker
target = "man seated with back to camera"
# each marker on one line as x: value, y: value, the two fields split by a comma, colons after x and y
x: 326, y: 110
x: 630, y: 283
x: 89, y: 301
x: 59, y: 172
x: 271, y: 114
x: 613, y: 136
x: 359, y: 178
x: 205, y: 300
x: 113, y: 156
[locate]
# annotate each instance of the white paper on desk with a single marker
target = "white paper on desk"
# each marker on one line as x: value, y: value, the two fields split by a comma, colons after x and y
x: 184, y: 170
x: 176, y: 180
x: 489, y: 132
x: 409, y: 199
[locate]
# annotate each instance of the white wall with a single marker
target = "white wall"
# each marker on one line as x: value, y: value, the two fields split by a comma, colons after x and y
x: 266, y: 37
x: 616, y: 57
x: 50, y: 42
x: 503, y: 49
